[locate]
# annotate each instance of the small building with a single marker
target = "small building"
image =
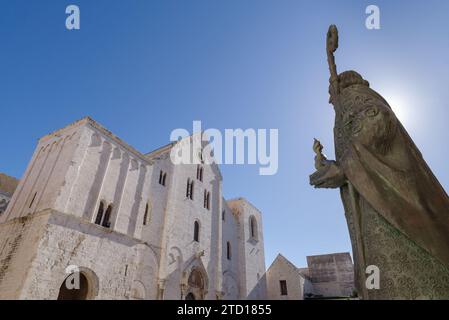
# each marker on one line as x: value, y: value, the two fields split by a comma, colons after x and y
x: 327, y: 276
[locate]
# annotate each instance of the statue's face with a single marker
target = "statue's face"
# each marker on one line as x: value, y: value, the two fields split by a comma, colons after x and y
x: 367, y: 119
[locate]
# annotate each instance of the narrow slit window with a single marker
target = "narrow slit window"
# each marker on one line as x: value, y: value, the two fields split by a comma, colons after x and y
x: 32, y: 200
x: 99, y: 217
x: 188, y: 189
x: 145, y: 216
x: 208, y: 201
x: 107, y: 216
x: 191, y: 190
x: 196, y: 231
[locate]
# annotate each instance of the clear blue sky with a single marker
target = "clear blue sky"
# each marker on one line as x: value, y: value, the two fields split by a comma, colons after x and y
x: 144, y: 68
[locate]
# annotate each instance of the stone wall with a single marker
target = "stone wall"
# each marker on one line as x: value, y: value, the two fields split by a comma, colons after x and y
x: 231, y: 266
x: 183, y: 253
x: 251, y: 250
x: 332, y: 275
x: 19, y: 238
x: 102, y: 254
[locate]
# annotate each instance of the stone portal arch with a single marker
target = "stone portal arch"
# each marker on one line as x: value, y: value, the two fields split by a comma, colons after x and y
x: 190, y: 296
x: 82, y: 284
x: 138, y: 290
x: 196, y: 285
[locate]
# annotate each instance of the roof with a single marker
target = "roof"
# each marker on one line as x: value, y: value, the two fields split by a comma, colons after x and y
x: 92, y: 123
x: 243, y: 199
x: 281, y: 258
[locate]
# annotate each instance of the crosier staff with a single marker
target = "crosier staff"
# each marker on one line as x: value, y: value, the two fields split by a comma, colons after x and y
x: 331, y: 47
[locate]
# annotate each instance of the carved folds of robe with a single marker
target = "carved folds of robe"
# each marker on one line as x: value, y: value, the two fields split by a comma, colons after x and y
x: 397, y: 212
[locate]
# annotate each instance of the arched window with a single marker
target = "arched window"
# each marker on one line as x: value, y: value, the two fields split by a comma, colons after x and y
x: 196, y: 231
x: 162, y: 177
x: 253, y: 228
x: 99, y: 217
x: 107, y: 217
x: 146, y: 216
x: 228, y: 250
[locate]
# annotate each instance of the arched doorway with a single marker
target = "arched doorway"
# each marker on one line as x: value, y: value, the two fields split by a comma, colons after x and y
x: 190, y: 296
x: 195, y: 285
x: 81, y: 293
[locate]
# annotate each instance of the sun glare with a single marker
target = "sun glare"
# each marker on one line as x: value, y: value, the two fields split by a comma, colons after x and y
x: 402, y: 104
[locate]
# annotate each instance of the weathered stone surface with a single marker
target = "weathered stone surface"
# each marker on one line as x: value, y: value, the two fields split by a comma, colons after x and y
x: 148, y: 251
x: 332, y: 275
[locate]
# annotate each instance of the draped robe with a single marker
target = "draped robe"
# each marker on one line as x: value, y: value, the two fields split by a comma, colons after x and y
x: 397, y: 211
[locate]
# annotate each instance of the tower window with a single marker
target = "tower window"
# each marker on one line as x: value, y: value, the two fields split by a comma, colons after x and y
x: 253, y: 228
x: 196, y: 231
x: 283, y: 286
x: 223, y: 213
x: 228, y: 250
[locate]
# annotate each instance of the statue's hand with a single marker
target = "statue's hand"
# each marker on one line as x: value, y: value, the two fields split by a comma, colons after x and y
x: 328, y: 176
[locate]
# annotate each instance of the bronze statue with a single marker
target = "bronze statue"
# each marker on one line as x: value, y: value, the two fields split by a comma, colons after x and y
x: 397, y: 211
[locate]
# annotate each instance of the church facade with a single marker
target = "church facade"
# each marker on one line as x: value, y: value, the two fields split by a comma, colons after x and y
x: 132, y: 225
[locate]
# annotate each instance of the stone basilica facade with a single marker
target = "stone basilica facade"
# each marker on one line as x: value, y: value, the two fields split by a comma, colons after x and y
x: 135, y: 225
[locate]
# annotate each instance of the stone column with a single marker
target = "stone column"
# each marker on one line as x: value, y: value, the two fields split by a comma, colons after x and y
x: 160, y: 289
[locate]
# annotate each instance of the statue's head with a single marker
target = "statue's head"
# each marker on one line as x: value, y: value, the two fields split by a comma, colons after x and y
x: 363, y: 114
